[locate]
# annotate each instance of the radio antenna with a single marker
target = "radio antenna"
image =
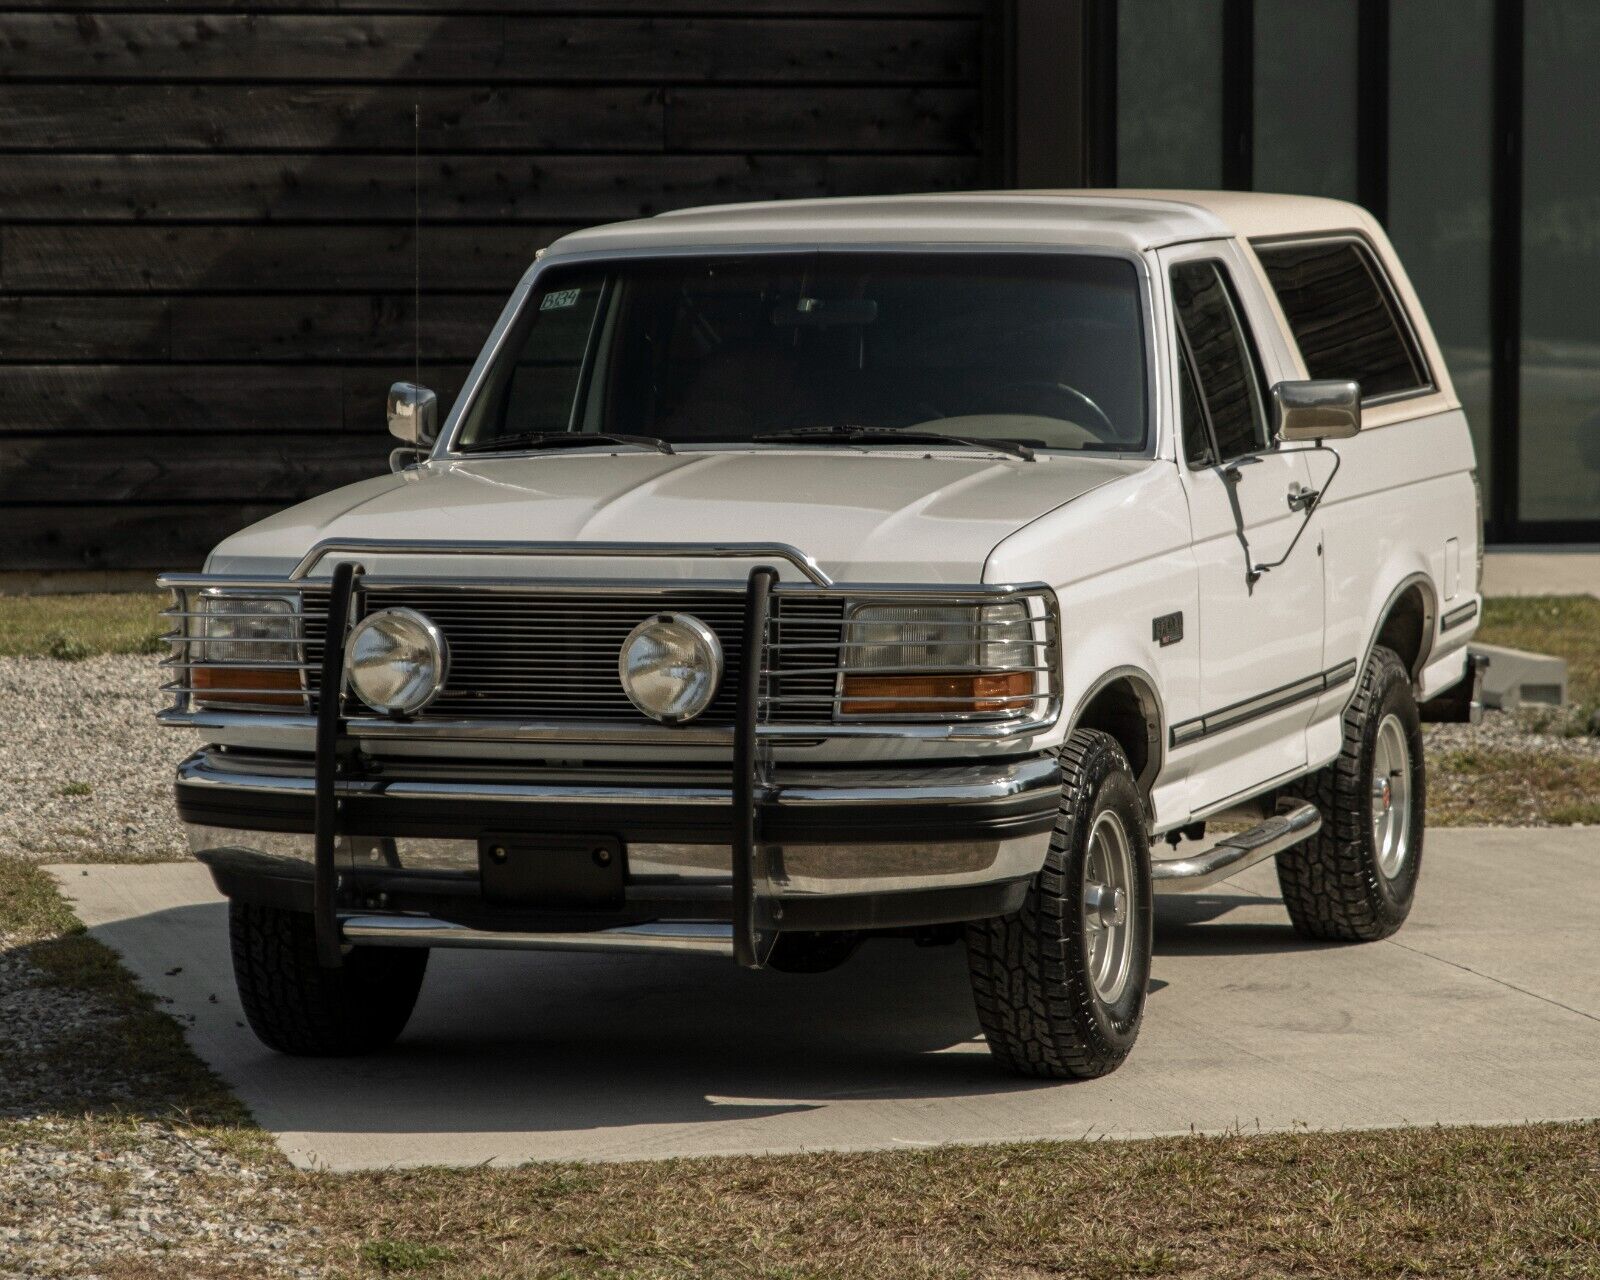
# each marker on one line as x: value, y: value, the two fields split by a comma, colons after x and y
x: 416, y: 242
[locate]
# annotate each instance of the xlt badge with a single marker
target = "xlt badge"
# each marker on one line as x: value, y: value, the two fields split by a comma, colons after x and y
x: 1167, y: 629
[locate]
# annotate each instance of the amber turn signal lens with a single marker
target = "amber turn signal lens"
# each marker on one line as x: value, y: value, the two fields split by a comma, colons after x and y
x: 254, y: 686
x: 919, y: 695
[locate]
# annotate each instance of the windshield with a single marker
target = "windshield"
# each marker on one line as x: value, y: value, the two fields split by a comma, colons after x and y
x: 1044, y: 349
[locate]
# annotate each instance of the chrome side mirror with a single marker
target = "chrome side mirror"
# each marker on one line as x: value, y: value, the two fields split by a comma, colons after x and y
x: 1321, y: 409
x: 413, y: 414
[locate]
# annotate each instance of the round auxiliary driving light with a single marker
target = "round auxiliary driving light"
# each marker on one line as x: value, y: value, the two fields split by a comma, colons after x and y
x: 670, y: 666
x: 396, y: 661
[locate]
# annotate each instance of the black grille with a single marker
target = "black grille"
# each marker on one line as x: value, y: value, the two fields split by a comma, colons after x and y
x: 552, y: 655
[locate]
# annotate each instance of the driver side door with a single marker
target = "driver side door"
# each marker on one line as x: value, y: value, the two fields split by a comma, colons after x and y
x: 1260, y: 591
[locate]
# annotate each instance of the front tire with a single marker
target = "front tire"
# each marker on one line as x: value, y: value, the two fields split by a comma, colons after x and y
x: 1060, y: 984
x: 296, y: 1006
x: 1356, y: 879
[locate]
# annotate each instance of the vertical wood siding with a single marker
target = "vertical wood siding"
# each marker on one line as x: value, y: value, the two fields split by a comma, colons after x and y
x: 206, y: 238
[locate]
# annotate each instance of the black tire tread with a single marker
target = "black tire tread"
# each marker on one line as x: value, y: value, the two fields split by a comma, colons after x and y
x: 1037, y: 1019
x: 1328, y: 882
x: 296, y: 1006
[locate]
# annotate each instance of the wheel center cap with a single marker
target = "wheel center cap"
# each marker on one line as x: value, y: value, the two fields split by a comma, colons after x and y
x: 1385, y: 795
x: 1108, y: 907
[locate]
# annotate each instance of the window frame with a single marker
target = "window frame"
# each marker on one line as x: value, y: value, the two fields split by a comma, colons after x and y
x: 1186, y: 359
x: 1390, y: 298
x: 447, y: 445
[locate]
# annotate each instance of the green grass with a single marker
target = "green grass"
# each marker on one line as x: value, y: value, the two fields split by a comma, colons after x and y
x: 1495, y: 786
x: 1565, y: 626
x: 75, y: 627
x: 31, y: 907
x: 401, y: 1257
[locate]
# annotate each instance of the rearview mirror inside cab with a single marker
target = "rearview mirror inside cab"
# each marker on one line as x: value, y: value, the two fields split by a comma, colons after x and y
x: 1320, y: 409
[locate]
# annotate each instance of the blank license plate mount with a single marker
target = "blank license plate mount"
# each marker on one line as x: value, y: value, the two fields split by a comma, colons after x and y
x: 554, y: 872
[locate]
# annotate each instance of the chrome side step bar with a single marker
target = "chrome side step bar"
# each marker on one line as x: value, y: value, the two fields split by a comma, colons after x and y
x: 686, y: 937
x: 1295, y: 822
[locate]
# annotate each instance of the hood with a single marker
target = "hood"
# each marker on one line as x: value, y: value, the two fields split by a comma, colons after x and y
x: 864, y: 516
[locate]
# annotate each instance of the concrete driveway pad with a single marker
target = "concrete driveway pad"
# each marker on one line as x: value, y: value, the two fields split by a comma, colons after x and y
x: 1484, y: 1009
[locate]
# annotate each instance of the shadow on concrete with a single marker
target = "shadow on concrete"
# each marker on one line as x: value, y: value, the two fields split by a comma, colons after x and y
x: 1227, y: 924
x: 533, y: 1042
x: 507, y: 1042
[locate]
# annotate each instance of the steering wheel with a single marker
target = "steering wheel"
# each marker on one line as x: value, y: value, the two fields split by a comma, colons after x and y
x: 1061, y: 392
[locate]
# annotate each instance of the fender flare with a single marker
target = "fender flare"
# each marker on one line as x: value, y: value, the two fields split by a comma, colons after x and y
x: 1155, y: 719
x: 1430, y: 626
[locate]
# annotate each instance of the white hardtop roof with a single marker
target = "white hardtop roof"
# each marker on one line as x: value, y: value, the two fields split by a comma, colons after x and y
x: 1113, y: 219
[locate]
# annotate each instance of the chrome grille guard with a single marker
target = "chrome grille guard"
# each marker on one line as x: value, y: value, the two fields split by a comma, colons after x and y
x: 757, y: 913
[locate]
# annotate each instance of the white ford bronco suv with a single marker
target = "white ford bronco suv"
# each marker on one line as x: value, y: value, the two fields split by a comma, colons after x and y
x: 786, y: 574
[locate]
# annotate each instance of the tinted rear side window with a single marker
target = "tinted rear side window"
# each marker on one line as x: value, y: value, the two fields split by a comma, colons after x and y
x: 1343, y: 315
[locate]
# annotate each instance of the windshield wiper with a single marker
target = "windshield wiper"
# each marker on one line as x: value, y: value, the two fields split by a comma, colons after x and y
x: 563, y: 440
x: 867, y: 435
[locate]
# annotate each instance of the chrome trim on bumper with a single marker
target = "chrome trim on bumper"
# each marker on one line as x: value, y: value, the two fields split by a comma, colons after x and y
x: 866, y: 861
x: 804, y: 869
x: 960, y: 784
x: 848, y: 870
x: 688, y: 937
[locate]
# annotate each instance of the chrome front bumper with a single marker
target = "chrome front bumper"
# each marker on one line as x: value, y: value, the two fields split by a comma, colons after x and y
x: 847, y: 847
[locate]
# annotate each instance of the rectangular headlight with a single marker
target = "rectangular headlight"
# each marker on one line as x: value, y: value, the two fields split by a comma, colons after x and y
x: 961, y: 637
x: 244, y: 629
x: 933, y: 661
x: 242, y: 651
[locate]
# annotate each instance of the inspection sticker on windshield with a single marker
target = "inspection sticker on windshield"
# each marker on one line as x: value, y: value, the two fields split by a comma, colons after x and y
x: 560, y: 298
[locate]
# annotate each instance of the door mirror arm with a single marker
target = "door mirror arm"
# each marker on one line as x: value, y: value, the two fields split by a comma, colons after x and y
x: 1303, y: 500
x: 1310, y: 412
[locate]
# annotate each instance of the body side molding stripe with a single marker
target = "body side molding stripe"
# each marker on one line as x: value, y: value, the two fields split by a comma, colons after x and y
x: 1458, y: 617
x: 1231, y: 717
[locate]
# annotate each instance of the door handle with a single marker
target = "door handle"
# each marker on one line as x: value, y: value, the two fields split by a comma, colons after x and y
x: 1302, y: 499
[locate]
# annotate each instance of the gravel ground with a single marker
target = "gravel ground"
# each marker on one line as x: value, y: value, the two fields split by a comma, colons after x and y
x: 146, y: 1194
x: 134, y: 1195
x: 88, y: 724
x: 1530, y: 729
x: 35, y: 1020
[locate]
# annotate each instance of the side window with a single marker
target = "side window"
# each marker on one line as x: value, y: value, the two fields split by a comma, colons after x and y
x: 1196, y: 434
x: 1344, y: 315
x: 1221, y: 359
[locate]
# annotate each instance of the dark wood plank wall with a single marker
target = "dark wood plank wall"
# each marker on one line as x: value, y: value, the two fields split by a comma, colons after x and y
x: 206, y: 243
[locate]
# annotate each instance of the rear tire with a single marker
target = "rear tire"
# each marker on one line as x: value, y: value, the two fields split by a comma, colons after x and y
x: 1355, y: 880
x: 1060, y: 984
x: 296, y: 1006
